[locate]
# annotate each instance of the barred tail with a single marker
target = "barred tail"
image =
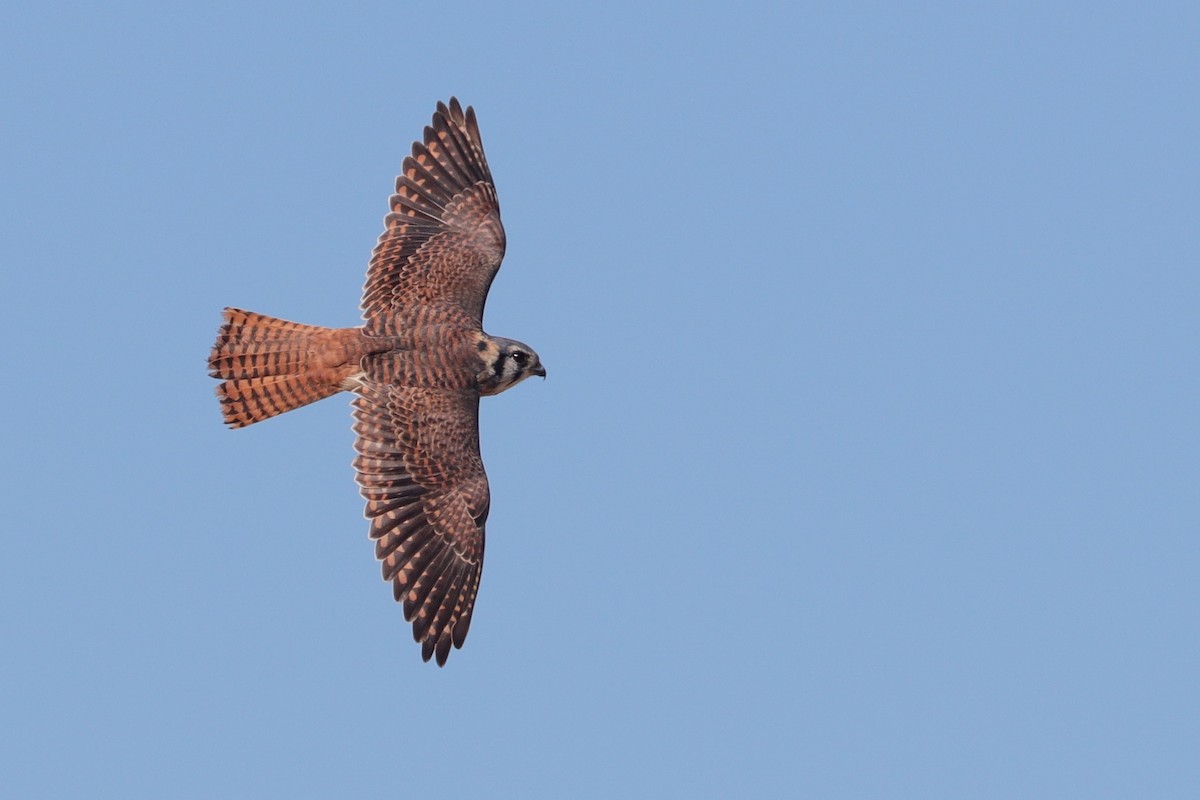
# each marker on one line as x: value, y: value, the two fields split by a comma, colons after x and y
x: 269, y: 366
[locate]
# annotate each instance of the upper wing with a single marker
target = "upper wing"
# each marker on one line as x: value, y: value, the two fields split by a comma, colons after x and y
x: 443, y: 239
x: 427, y: 498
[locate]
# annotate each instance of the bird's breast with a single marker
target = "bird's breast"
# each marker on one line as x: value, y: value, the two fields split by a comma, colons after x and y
x: 445, y: 359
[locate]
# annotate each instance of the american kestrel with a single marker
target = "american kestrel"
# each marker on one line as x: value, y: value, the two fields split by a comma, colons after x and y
x: 417, y: 369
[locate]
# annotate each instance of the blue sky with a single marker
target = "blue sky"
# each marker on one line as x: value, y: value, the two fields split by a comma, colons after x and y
x: 866, y: 466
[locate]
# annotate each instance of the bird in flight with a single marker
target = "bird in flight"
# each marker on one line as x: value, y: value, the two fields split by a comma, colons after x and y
x: 417, y: 369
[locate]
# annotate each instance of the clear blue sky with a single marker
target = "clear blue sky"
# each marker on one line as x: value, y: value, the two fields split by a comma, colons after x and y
x: 867, y: 465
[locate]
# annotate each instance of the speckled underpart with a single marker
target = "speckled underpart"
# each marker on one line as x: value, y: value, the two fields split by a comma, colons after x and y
x: 418, y: 366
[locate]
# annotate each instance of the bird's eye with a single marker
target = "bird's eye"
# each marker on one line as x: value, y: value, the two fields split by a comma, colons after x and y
x: 518, y: 358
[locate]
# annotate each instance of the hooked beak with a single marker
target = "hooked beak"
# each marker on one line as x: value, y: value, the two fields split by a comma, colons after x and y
x: 540, y: 370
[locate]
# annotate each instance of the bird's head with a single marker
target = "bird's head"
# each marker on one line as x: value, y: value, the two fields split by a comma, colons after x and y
x: 506, y: 362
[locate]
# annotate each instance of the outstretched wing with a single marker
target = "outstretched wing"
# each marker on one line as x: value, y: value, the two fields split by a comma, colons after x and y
x: 443, y: 239
x: 427, y: 499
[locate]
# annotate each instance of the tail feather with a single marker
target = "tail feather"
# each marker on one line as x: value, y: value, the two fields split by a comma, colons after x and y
x: 269, y: 366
